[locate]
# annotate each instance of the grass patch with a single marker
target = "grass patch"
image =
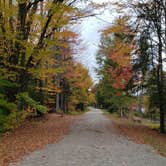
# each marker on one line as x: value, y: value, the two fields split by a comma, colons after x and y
x: 78, y: 112
x: 153, y: 126
x: 105, y: 112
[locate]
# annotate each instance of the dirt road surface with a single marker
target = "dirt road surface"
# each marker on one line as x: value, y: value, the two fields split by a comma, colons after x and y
x: 93, y: 142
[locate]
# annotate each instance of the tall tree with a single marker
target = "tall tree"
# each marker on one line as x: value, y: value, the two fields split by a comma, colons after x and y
x: 115, y: 64
x: 150, y: 23
x: 34, y: 39
x: 151, y: 15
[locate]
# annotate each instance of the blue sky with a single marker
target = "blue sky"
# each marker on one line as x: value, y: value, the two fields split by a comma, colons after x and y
x: 89, y: 30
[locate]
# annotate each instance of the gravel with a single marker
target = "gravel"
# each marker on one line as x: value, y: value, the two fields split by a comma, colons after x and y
x: 92, y: 143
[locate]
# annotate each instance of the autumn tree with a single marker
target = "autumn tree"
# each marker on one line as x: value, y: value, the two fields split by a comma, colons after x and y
x: 79, y: 84
x: 34, y: 35
x: 148, y: 20
x: 115, y: 64
x: 151, y: 51
x: 27, y: 34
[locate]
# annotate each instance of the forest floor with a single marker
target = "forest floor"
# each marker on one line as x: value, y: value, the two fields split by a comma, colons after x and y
x: 93, y: 141
x: 32, y: 135
x: 144, y: 133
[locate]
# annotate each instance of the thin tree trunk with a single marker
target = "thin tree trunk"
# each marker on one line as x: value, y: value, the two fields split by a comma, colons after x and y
x: 160, y: 84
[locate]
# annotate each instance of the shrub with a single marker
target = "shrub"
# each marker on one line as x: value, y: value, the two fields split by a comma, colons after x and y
x: 6, y: 107
x: 112, y: 108
x: 12, y: 121
x: 26, y: 101
x: 9, y: 117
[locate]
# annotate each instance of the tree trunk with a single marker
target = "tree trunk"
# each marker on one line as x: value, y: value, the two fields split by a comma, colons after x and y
x: 160, y: 83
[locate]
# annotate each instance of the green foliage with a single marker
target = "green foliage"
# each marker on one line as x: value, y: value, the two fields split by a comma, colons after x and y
x: 6, y: 107
x: 9, y: 117
x: 26, y: 101
x: 8, y: 122
x: 6, y: 83
x: 12, y: 120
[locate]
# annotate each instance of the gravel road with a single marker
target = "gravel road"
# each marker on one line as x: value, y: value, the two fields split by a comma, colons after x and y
x: 92, y: 143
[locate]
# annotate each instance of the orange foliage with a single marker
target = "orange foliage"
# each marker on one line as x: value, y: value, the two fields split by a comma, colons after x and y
x: 120, y: 52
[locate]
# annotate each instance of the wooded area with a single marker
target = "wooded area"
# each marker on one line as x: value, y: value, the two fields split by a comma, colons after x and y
x: 131, y: 61
x: 39, y: 74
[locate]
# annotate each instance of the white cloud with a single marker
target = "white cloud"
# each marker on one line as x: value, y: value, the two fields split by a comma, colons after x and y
x: 89, y: 29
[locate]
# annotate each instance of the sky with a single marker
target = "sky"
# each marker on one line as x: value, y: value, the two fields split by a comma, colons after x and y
x: 90, y: 33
